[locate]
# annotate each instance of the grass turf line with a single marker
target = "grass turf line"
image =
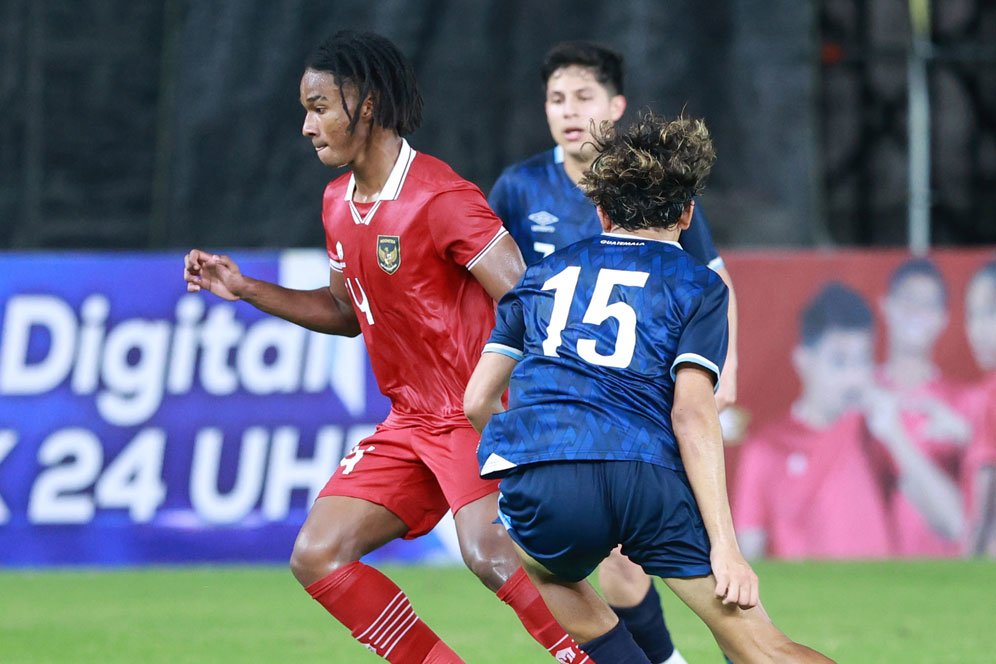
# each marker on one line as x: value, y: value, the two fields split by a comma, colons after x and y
x: 931, y: 611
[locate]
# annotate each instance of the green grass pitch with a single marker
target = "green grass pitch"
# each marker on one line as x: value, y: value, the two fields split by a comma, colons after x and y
x: 865, y: 613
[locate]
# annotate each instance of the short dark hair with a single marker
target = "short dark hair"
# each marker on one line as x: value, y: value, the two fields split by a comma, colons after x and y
x: 918, y: 267
x: 834, y: 307
x: 375, y: 66
x: 646, y: 176
x: 606, y: 63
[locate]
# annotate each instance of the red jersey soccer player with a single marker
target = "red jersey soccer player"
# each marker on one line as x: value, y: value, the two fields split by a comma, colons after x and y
x: 417, y: 260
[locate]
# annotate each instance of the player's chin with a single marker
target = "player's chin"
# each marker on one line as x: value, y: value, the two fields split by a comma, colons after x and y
x: 329, y: 158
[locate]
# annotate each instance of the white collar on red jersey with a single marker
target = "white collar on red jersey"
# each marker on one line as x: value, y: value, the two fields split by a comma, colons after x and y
x: 392, y: 188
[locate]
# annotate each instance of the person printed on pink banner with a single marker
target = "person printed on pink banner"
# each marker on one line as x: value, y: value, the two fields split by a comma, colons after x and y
x: 980, y: 463
x: 805, y: 484
x: 932, y: 414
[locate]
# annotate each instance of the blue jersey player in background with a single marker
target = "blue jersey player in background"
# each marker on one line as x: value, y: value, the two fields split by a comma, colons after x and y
x: 544, y: 209
x: 612, y: 348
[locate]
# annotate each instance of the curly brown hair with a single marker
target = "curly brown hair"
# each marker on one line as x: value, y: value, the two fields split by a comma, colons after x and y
x: 646, y: 176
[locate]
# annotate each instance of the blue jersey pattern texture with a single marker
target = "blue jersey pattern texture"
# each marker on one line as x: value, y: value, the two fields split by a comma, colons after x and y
x: 599, y: 328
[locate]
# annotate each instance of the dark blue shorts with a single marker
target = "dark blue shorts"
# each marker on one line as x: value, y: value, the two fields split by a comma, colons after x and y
x: 569, y: 515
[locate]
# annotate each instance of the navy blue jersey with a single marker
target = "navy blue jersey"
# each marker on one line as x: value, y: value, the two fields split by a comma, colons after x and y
x: 599, y: 328
x: 544, y: 210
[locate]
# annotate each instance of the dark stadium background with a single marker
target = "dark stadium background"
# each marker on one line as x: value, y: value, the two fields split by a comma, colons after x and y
x: 161, y: 124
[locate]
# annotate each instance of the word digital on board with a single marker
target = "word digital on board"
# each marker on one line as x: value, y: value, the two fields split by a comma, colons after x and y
x: 142, y: 423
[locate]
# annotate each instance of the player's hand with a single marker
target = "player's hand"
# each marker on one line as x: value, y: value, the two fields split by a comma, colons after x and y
x: 736, y: 582
x: 214, y: 273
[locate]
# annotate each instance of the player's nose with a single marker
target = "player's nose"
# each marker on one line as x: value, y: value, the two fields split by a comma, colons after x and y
x: 310, y: 126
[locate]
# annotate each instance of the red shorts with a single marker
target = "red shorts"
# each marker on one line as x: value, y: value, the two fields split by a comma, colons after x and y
x: 418, y: 472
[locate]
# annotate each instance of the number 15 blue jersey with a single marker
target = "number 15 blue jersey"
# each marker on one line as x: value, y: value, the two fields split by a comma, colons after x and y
x: 599, y: 329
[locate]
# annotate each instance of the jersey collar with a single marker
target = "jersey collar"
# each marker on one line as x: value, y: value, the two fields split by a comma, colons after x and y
x: 637, y: 238
x: 392, y: 188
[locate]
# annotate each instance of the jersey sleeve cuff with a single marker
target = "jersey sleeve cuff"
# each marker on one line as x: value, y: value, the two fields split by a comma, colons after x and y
x: 717, y: 264
x: 502, y: 349
x: 336, y: 265
x: 502, y: 232
x: 693, y: 358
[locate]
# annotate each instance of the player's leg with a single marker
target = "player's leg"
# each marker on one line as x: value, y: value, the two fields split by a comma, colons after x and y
x: 632, y: 596
x: 376, y: 495
x: 485, y: 545
x: 585, y: 616
x: 339, y: 531
x: 490, y: 555
x: 557, y: 518
x: 747, y: 636
x: 673, y: 544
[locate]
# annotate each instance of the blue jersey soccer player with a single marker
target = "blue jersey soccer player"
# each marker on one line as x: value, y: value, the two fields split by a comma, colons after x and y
x: 614, y: 346
x: 544, y: 209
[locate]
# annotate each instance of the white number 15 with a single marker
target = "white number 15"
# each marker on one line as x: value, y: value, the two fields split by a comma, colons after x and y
x: 564, y: 283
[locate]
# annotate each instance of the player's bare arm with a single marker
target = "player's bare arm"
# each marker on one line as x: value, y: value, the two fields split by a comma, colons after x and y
x: 726, y: 395
x: 482, y: 399
x: 696, y: 426
x: 326, y: 310
x: 500, y: 268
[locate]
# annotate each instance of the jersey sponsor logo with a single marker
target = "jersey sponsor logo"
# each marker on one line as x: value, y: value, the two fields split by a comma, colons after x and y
x: 544, y: 221
x: 389, y: 253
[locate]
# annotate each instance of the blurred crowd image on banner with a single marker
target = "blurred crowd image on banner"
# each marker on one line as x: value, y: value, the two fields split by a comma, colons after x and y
x: 886, y: 446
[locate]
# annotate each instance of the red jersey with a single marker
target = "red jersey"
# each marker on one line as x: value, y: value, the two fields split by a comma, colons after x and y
x: 406, y: 259
x: 813, y: 492
x: 914, y: 535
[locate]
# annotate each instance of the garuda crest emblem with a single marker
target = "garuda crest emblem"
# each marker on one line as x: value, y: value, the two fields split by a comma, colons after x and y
x: 389, y: 253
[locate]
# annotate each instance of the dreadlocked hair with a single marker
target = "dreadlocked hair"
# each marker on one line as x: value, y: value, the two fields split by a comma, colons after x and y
x: 646, y: 176
x: 375, y: 67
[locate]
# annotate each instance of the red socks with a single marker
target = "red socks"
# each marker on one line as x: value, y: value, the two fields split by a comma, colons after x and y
x: 520, y: 594
x: 379, y: 616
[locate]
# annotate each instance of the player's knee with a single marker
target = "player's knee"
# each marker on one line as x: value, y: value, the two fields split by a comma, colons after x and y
x: 487, y: 568
x: 313, y: 559
x: 491, y: 559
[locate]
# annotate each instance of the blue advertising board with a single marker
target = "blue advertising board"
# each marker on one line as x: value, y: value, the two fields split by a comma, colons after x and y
x: 143, y: 424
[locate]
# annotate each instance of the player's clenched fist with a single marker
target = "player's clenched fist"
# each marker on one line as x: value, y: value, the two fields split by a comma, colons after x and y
x: 736, y: 582
x: 212, y: 272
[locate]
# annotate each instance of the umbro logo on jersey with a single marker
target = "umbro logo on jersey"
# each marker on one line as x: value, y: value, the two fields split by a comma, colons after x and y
x: 389, y: 253
x: 543, y: 218
x: 544, y: 221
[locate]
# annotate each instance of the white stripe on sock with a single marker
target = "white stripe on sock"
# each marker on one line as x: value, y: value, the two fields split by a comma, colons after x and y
x: 389, y: 606
x: 407, y: 628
